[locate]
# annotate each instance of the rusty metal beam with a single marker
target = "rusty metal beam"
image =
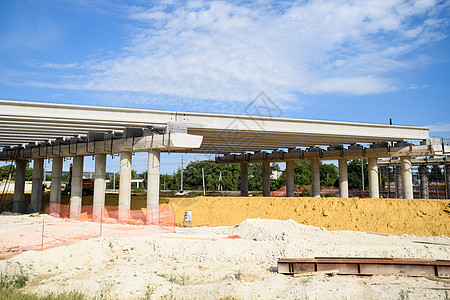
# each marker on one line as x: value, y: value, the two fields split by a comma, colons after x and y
x: 366, y: 266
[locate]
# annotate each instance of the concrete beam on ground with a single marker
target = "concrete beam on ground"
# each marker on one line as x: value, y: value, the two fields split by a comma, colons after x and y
x: 55, y: 187
x: 36, y: 186
x: 374, y: 186
x: 343, y: 178
x: 19, y: 187
x: 266, y: 179
x: 99, y: 186
x: 153, y: 174
x: 290, y: 176
x: 244, y: 179
x: 76, y: 189
x: 407, y: 177
x: 125, y: 186
x: 315, y: 177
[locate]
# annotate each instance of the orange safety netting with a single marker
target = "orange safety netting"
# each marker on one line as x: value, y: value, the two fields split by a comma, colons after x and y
x: 66, y: 230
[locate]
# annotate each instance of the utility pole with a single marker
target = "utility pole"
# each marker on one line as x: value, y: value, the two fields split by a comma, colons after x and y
x: 182, y: 161
x: 220, y: 181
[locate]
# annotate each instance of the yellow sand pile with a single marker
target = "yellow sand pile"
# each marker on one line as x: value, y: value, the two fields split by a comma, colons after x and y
x: 396, y: 216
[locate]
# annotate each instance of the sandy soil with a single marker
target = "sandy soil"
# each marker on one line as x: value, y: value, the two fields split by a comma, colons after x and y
x: 201, y: 263
x: 394, y: 216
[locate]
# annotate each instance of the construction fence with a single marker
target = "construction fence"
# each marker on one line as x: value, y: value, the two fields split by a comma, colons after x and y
x: 63, y: 230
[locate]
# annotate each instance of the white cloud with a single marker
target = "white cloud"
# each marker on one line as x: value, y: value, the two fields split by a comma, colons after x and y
x: 233, y: 50
x: 441, y: 127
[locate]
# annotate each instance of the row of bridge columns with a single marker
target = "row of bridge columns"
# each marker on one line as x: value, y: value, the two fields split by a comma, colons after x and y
x: 374, y: 190
x: 77, y: 185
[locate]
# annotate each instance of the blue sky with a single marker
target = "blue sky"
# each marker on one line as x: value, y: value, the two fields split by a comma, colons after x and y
x: 363, y: 61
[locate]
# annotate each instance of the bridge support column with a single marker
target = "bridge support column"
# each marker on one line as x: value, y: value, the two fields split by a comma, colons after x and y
x: 153, y: 186
x: 343, y: 178
x: 36, y: 188
x: 374, y: 185
x: 99, y: 186
x: 19, y: 187
x: 424, y: 188
x: 266, y: 179
x: 244, y: 179
x: 315, y: 177
x: 76, y: 188
x: 125, y: 186
x: 407, y: 177
x: 290, y: 179
x: 55, y: 188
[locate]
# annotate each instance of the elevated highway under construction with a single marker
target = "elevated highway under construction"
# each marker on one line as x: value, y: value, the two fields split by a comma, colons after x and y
x: 37, y: 131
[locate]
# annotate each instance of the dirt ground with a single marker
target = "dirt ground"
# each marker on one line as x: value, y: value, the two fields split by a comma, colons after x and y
x: 203, y: 263
x: 394, y: 216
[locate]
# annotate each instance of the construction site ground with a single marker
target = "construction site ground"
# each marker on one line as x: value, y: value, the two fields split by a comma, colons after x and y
x: 235, y: 255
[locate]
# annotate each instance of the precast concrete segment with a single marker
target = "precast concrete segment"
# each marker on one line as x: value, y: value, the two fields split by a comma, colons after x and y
x: 19, y: 187
x: 55, y: 187
x: 266, y: 179
x: 407, y: 177
x: 76, y: 189
x: 343, y: 178
x: 321, y: 154
x: 290, y: 179
x: 424, y: 186
x: 166, y: 142
x: 56, y: 116
x: 125, y: 186
x: 36, y: 187
x: 374, y: 189
x: 244, y: 179
x: 153, y: 172
x: 315, y: 177
x: 99, y: 186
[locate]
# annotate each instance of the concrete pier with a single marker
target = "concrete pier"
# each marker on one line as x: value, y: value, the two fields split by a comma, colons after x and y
x: 343, y: 178
x: 99, y: 186
x: 36, y: 188
x: 125, y: 186
x: 424, y: 186
x: 153, y: 186
x: 19, y: 187
x: 55, y: 188
x: 406, y: 170
x: 290, y: 179
x: 374, y: 186
x: 315, y: 177
x: 76, y: 188
x: 266, y: 179
x: 244, y: 179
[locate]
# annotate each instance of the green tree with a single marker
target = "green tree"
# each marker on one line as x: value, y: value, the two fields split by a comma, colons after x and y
x: 110, y: 184
x: 328, y: 174
x: 354, y: 174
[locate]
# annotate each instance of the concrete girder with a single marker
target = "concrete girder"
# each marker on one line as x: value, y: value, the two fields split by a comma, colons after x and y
x: 138, y: 144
